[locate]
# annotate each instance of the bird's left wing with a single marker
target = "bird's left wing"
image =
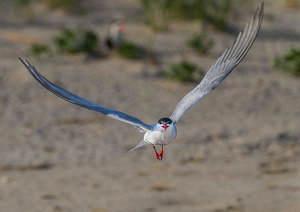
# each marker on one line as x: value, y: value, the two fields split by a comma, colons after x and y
x: 223, y: 66
x: 68, y: 96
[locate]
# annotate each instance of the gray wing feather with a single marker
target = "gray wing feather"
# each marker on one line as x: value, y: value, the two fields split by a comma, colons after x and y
x: 231, y: 57
x: 68, y: 96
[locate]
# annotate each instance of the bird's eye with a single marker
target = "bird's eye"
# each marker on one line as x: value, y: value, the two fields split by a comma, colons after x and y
x: 160, y: 122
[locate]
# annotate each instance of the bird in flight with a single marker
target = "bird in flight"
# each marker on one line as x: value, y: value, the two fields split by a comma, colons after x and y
x: 164, y: 131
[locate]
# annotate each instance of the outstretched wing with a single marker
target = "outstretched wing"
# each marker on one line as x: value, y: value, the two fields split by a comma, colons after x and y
x: 58, y: 91
x: 223, y: 67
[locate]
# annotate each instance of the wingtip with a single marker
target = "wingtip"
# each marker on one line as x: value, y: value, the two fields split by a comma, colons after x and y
x: 28, y: 65
x: 261, y: 8
x: 142, y: 143
x: 25, y: 63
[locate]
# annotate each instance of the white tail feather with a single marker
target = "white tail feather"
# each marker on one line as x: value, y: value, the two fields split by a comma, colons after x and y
x: 142, y: 143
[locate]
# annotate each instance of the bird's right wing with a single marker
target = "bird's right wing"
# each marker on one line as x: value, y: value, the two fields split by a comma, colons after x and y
x: 68, y: 96
x: 223, y: 67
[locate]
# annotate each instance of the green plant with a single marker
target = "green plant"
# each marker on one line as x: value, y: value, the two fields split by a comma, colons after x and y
x: 66, y: 5
x: 158, y: 13
x: 200, y: 43
x: 21, y: 3
x: 129, y: 50
x: 214, y: 12
x: 184, y: 72
x: 39, y: 49
x: 23, y: 8
x: 289, y: 62
x: 76, y: 40
x: 217, y: 12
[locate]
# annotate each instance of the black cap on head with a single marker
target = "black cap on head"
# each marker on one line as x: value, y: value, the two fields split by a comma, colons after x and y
x: 165, y: 120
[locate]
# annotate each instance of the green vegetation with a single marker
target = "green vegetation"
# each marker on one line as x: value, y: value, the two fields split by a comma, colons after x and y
x: 71, y: 41
x: 69, y: 6
x: 217, y: 12
x: 183, y: 71
x: 72, y: 6
x: 289, y: 62
x: 200, y: 43
x: 23, y: 8
x: 214, y: 12
x: 39, y: 49
x: 76, y: 40
x: 129, y: 50
x: 158, y: 13
x: 21, y: 3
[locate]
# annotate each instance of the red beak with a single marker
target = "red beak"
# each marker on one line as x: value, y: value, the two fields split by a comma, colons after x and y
x: 165, y: 126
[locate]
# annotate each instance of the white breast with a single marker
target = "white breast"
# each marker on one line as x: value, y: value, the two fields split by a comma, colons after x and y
x: 160, y: 137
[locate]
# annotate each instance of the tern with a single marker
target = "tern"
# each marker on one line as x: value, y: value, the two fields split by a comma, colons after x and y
x: 164, y: 131
x: 115, y: 35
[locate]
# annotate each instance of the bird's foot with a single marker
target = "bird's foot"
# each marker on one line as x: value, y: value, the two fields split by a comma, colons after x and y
x: 159, y: 156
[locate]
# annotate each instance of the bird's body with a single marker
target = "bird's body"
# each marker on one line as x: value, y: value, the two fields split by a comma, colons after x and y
x: 159, y: 136
x: 164, y: 131
x: 115, y: 35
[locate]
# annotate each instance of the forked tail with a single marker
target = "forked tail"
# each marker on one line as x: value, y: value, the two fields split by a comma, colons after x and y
x: 142, y: 143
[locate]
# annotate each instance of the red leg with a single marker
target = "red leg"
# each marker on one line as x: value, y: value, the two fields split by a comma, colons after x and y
x: 157, y: 155
x: 161, y: 152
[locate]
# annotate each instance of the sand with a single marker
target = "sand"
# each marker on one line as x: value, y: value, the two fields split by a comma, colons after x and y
x: 237, y: 150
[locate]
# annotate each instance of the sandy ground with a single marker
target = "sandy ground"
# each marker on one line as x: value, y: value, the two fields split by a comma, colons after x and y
x: 237, y: 150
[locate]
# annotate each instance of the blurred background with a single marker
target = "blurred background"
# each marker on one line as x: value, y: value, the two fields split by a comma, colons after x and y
x: 236, y: 150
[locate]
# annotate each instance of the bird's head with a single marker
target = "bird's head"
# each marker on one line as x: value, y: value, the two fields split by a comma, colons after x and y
x: 165, y: 123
